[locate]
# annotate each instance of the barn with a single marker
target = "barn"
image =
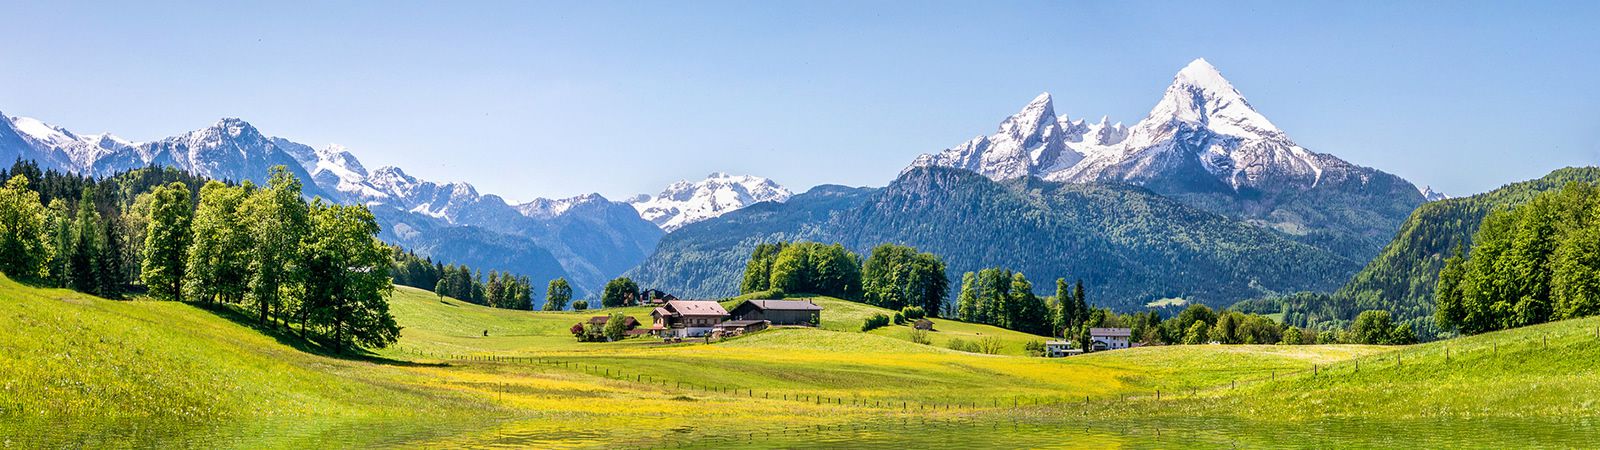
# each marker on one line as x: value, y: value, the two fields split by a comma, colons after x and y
x: 779, y: 312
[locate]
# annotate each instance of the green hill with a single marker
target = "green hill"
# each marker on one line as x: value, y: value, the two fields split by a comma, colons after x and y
x: 72, y: 361
x: 1402, y: 278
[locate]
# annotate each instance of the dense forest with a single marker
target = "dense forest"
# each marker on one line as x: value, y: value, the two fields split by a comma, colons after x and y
x: 1403, y: 277
x: 1130, y: 246
x: 1530, y: 264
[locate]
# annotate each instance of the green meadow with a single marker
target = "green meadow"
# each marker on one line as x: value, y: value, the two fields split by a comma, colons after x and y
x: 80, y: 371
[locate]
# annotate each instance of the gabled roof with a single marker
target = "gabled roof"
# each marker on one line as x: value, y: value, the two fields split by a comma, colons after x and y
x: 696, y: 308
x: 1111, y: 332
x: 783, y: 305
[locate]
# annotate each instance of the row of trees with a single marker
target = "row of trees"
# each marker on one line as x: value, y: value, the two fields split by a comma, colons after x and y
x: 77, y: 232
x: 892, y: 277
x: 997, y: 296
x: 267, y: 250
x: 1531, y: 264
x: 499, y: 290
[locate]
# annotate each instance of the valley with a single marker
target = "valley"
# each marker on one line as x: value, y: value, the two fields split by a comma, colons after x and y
x: 529, y: 384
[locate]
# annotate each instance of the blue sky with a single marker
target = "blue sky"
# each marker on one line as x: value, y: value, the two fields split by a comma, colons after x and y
x: 557, y: 99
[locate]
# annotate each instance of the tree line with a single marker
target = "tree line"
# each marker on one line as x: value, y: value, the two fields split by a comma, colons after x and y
x: 1527, y: 265
x: 893, y: 276
x: 498, y: 289
x: 314, y: 266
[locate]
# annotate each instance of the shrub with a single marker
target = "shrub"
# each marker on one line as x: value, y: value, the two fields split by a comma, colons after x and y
x: 580, y: 305
x: 875, y: 322
x: 899, y: 319
x: 962, y: 345
x: 919, y: 336
x: 1034, y: 348
x: 913, y: 313
x: 989, y: 345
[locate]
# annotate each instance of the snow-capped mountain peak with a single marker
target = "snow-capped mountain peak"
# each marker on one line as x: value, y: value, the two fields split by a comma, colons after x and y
x: 1200, y: 95
x: 44, y: 133
x: 1028, y: 141
x: 544, y: 208
x: 685, y: 202
x: 1431, y: 195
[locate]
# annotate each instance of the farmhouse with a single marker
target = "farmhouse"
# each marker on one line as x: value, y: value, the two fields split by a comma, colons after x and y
x: 779, y: 312
x: 687, y: 318
x: 1109, y: 338
x: 1057, y: 349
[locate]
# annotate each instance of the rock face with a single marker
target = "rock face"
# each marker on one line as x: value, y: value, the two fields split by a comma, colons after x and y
x: 1203, y: 144
x: 683, y: 202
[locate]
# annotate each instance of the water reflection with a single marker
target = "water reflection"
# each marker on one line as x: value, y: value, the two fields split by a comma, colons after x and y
x: 897, y: 433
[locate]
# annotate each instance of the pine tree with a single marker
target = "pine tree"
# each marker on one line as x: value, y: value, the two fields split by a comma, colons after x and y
x: 86, y: 248
x: 1065, y: 309
x: 967, y: 307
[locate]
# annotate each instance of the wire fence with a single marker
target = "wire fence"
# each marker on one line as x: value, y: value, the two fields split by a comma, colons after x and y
x: 1447, y: 352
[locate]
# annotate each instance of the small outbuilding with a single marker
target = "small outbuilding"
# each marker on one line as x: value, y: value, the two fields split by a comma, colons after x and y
x: 923, y: 324
x: 738, y: 327
x: 779, y: 312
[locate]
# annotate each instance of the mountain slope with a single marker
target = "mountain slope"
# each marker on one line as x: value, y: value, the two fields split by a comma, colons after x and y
x: 1130, y: 246
x: 1206, y: 146
x: 1403, y: 277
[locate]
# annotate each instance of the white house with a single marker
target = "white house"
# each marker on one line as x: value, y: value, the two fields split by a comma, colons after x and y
x: 1109, y: 338
x: 1057, y: 349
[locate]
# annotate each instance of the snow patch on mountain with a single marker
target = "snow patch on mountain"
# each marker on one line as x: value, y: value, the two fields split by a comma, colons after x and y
x: 1202, y: 135
x: 685, y: 202
x: 1431, y: 195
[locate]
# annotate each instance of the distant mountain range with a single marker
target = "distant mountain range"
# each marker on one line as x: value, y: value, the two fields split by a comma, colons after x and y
x: 683, y: 202
x: 1203, y: 199
x: 588, y: 238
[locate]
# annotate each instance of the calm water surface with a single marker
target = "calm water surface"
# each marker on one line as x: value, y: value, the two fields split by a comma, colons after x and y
x: 899, y: 434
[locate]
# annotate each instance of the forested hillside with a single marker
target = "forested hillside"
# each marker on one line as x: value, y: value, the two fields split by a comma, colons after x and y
x: 1403, y: 277
x: 1129, y: 246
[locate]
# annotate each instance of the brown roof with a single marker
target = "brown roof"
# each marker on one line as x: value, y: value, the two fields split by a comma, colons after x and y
x: 784, y: 305
x: 1111, y: 332
x: 697, y: 308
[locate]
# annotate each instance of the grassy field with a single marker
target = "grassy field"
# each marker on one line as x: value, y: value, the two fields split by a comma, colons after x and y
x: 82, y: 371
